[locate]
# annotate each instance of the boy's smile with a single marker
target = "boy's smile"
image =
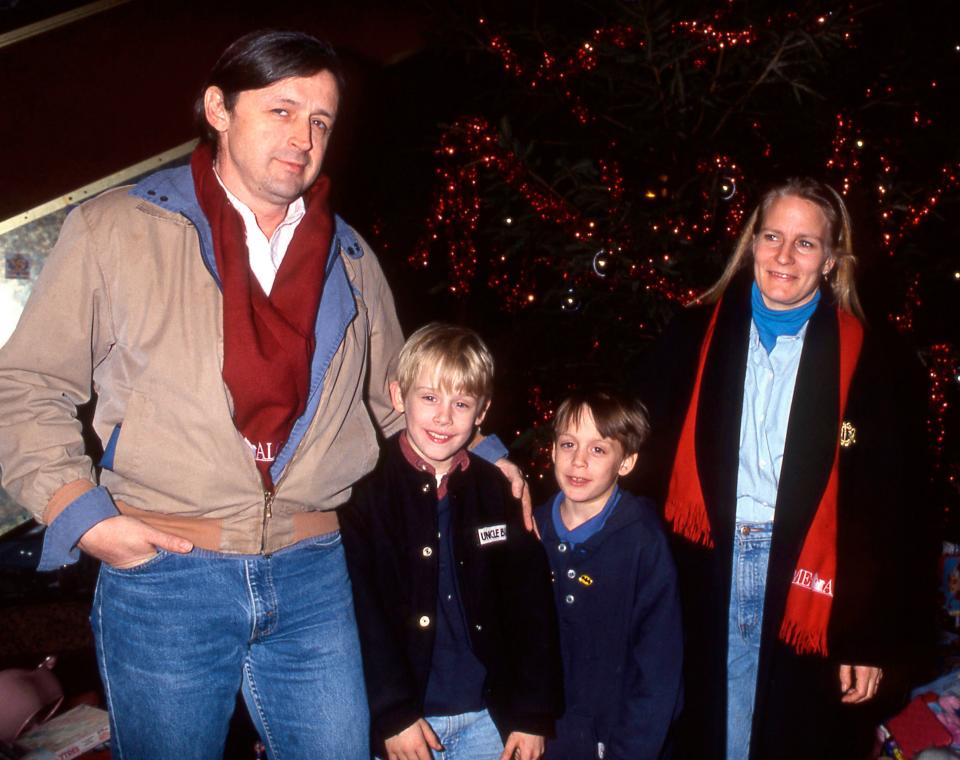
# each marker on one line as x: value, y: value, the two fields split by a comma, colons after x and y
x: 440, y: 422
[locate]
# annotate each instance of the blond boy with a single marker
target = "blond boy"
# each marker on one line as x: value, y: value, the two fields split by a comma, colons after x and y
x: 452, y: 594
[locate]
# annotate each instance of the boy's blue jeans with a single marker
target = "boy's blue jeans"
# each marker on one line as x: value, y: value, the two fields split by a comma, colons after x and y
x: 751, y: 555
x: 177, y: 638
x: 468, y: 736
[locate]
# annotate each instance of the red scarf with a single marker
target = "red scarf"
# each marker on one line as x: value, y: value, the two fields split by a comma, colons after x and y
x: 804, y: 625
x: 268, y: 342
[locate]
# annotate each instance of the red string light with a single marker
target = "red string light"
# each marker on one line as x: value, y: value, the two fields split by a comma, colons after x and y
x: 897, y: 224
x: 847, y: 143
x: 470, y: 145
x: 730, y: 176
x: 551, y: 70
x: 942, y: 367
x: 717, y: 39
x: 903, y: 320
x: 543, y: 412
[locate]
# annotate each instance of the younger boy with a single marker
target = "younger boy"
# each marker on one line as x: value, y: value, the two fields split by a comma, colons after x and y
x: 452, y: 595
x: 615, y: 587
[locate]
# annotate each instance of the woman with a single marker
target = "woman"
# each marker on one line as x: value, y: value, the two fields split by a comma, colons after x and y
x: 796, y: 435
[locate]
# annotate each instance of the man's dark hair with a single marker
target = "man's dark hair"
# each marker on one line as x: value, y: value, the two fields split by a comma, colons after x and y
x: 259, y: 59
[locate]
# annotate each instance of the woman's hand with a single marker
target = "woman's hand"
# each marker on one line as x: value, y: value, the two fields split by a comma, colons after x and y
x: 859, y: 683
x: 521, y: 746
x: 413, y: 743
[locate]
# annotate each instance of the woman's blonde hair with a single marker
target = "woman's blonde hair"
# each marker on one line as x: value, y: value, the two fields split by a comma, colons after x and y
x: 839, y: 243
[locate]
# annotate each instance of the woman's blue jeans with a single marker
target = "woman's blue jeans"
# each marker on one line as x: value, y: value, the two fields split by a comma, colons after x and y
x: 179, y: 636
x: 751, y: 554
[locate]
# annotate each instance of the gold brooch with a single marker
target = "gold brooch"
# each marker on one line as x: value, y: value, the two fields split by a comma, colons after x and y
x: 585, y: 580
x: 848, y: 435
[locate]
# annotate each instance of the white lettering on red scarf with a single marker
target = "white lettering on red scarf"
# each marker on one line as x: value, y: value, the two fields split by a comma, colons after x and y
x: 262, y: 451
x: 813, y: 582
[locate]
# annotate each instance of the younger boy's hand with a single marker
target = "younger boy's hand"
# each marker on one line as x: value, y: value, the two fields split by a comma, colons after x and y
x: 521, y: 746
x: 413, y: 743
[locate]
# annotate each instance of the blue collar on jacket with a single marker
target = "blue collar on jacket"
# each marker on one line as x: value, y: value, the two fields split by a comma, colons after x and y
x: 630, y: 509
x: 173, y: 190
x: 585, y: 530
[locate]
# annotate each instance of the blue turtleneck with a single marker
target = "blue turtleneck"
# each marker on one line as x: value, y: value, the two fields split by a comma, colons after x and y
x: 772, y: 323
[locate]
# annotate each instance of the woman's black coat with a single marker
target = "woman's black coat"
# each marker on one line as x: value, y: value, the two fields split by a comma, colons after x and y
x: 885, y: 569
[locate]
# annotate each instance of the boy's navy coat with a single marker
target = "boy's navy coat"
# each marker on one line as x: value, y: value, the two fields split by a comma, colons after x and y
x: 390, y: 536
x: 620, y: 634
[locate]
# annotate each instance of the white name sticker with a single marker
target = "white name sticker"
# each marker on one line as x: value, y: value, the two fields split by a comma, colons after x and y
x: 492, y: 533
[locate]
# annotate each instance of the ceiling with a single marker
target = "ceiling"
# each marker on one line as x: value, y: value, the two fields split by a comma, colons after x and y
x: 98, y: 94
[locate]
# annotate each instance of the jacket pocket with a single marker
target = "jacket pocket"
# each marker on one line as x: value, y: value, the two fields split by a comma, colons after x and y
x: 122, y: 452
x: 106, y: 461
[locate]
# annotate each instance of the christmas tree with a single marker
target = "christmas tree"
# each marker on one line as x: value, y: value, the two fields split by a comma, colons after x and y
x: 603, y: 155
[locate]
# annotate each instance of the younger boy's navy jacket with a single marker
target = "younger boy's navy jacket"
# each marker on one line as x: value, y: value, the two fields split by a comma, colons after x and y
x: 390, y: 536
x: 620, y: 634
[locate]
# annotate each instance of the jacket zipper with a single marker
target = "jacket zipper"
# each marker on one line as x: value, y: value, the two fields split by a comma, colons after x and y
x: 267, y: 514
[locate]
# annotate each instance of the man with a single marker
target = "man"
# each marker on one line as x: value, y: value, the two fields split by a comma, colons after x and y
x: 240, y: 337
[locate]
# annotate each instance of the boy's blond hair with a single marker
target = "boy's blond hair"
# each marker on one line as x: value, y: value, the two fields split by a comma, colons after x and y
x: 460, y: 360
x: 621, y: 419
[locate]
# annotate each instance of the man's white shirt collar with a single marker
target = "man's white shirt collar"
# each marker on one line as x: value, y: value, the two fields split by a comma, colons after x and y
x: 266, y: 255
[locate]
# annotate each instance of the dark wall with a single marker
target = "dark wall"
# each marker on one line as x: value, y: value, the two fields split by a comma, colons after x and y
x: 97, y: 95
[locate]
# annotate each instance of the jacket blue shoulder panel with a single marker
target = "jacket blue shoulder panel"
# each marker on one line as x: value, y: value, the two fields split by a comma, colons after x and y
x: 173, y: 190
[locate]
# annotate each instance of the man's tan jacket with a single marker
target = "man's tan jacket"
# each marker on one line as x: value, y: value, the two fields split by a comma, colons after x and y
x: 129, y: 298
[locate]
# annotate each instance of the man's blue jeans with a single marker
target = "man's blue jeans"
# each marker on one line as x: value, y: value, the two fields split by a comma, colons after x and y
x: 751, y: 555
x: 178, y: 636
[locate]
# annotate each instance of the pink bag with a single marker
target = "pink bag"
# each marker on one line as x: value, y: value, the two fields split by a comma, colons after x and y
x: 27, y: 697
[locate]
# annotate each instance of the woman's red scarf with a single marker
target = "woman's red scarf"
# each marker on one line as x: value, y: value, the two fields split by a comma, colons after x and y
x: 268, y: 342
x: 810, y: 599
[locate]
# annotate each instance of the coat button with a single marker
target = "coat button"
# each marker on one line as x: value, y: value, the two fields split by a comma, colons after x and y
x: 745, y: 530
x: 562, y: 548
x: 427, y: 551
x: 568, y: 598
x: 479, y: 627
x: 424, y: 621
x: 426, y: 488
x: 571, y: 573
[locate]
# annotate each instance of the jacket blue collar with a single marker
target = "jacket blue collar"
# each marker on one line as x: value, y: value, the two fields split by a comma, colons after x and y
x: 627, y: 512
x: 173, y: 190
